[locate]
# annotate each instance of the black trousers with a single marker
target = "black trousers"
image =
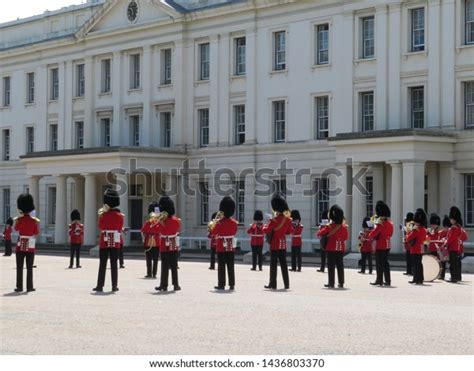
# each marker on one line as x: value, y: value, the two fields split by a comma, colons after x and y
x: 169, y: 261
x: 323, y: 260
x: 382, y: 266
x: 443, y: 270
x: 225, y: 259
x: 152, y: 255
x: 296, y: 257
x: 104, y: 255
x: 257, y: 257
x: 417, y: 266
x: 121, y: 255
x: 275, y: 257
x: 455, y: 266
x: 75, y: 250
x: 8, y: 247
x: 21, y: 256
x: 213, y: 259
x: 366, y: 257
x: 409, y: 262
x: 335, y: 260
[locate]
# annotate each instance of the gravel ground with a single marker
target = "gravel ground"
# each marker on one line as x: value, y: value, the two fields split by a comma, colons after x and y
x: 64, y: 317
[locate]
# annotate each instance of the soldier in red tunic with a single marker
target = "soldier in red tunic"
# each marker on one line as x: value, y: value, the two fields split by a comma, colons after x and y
x: 416, y: 239
x: 365, y: 245
x: 276, y: 230
x: 434, y: 233
x: 454, y: 243
x: 151, y: 240
x: 256, y: 240
x: 111, y: 222
x: 324, y: 221
x: 408, y: 224
x: 169, y: 228
x: 212, y: 244
x: 296, y: 241
x: 76, y: 237
x: 382, y: 234
x: 443, y: 251
x: 224, y: 229
x: 7, y: 237
x: 27, y: 228
x: 336, y: 233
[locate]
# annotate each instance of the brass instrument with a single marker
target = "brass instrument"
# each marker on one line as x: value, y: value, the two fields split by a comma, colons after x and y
x: 160, y: 217
x: 374, y: 219
x: 410, y: 226
x: 212, y: 224
x: 104, y: 209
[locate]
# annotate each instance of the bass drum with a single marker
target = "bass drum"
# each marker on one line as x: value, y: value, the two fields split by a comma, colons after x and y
x: 431, y: 267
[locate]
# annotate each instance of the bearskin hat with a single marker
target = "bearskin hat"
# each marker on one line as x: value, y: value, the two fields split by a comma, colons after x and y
x: 227, y: 206
x: 364, y: 222
x: 325, y: 214
x: 258, y: 215
x: 152, y: 207
x: 9, y: 221
x: 166, y: 204
x: 279, y: 204
x: 295, y: 215
x: 409, y: 217
x: 214, y: 214
x: 421, y: 218
x: 446, y: 222
x: 111, y: 198
x: 382, y: 209
x: 75, y: 215
x: 336, y: 214
x: 455, y: 213
x: 25, y: 203
x: 435, y: 219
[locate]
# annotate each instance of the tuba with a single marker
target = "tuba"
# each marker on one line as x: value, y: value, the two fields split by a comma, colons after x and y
x: 212, y: 224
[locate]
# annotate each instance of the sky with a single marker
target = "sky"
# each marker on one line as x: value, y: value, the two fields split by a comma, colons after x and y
x: 13, y: 9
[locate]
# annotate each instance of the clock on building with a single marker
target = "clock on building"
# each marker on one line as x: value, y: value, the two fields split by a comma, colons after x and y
x: 132, y: 11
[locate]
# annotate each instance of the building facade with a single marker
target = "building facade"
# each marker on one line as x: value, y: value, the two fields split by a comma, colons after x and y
x: 352, y: 101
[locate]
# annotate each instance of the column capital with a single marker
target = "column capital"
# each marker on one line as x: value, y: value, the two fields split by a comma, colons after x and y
x: 413, y: 162
x: 59, y: 176
x: 394, y: 163
x: 381, y: 8
x: 88, y: 175
x: 393, y: 7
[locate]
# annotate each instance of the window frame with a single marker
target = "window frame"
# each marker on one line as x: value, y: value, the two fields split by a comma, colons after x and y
x: 165, y: 133
x: 276, y: 121
x: 52, y: 196
x: 204, y: 195
x: 321, y: 197
x: 369, y: 196
x: 414, y: 47
x: 6, y: 203
x: 6, y: 100
x: 80, y: 80
x: 363, y: 114
x: 135, y: 71
x: 318, y: 118
x: 79, y: 134
x: 278, y: 64
x: 167, y: 66
x: 204, y: 63
x: 467, y: 105
x: 6, y: 144
x: 106, y: 76
x: 30, y: 139
x: 53, y: 137
x: 106, y: 132
x: 240, y: 56
x: 204, y: 130
x: 365, y: 40
x: 318, y: 50
x: 239, y: 192
x: 239, y: 126
x: 469, y: 200
x: 54, y: 84
x: 30, y: 87
x: 414, y: 110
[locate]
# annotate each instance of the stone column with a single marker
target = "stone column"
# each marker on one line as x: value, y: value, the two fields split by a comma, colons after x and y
x: 33, y: 186
x: 145, y: 135
x: 90, y: 139
x: 413, y: 185
x: 358, y: 202
x: 177, y: 81
x: 378, y: 182
x: 117, y: 98
x: 122, y: 187
x: 432, y: 45
x: 79, y: 195
x: 395, y: 205
x: 214, y: 91
x: 252, y: 87
x: 447, y: 193
x: 60, y: 228
x: 90, y: 209
x: 394, y: 52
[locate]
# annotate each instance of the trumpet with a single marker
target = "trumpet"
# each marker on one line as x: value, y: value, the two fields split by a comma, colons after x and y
x: 374, y: 219
x: 212, y: 224
x: 410, y: 226
x: 103, y: 209
x: 159, y: 217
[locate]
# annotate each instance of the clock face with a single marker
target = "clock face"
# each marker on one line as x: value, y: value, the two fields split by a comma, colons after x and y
x: 132, y: 11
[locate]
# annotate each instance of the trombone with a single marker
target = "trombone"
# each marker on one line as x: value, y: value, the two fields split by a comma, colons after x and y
x: 212, y: 224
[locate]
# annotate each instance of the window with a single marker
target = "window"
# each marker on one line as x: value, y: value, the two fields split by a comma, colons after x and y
x: 469, y: 105
x: 418, y: 29
x: 321, y: 190
x: 6, y: 204
x: 204, y: 200
x: 79, y: 137
x: 368, y: 37
x: 369, y: 196
x: 30, y: 77
x: 165, y: 120
x: 80, y: 80
x: 322, y: 44
x: 204, y: 61
x: 105, y: 128
x: 279, y: 121
x: 52, y: 205
x: 135, y: 131
x: 367, y: 108
x: 322, y: 117
x: 135, y: 71
x: 53, y: 137
x: 203, y: 115
x: 6, y: 145
x: 279, y: 47
x: 418, y: 107
x: 240, y: 50
x: 54, y: 94
x: 469, y: 21
x: 166, y: 67
x: 30, y: 139
x: 239, y: 188
x: 6, y: 91
x: 106, y: 76
x: 239, y: 124
x: 469, y: 199
x: 279, y: 187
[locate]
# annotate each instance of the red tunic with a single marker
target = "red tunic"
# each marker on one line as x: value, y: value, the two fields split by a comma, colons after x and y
x: 151, y: 234
x: 416, y: 238
x: 296, y: 240
x: 382, y: 233
x: 281, y: 226
x: 169, y: 230
x: 7, y: 233
x: 76, y: 233
x: 455, y: 238
x: 256, y: 234
x: 337, y: 241
x: 434, y: 235
x: 213, y: 241
x: 366, y: 243
x: 27, y: 227
x: 224, y: 231
x: 111, y: 225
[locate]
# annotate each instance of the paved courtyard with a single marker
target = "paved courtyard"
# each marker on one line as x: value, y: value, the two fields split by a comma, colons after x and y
x: 64, y: 317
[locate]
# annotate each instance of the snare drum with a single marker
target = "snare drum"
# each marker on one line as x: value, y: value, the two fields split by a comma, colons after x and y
x: 431, y: 267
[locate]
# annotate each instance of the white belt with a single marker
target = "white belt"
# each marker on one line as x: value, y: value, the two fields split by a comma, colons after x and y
x: 257, y: 235
x: 168, y: 237
x: 225, y: 242
x: 296, y: 235
x: 31, y: 241
x: 116, y: 235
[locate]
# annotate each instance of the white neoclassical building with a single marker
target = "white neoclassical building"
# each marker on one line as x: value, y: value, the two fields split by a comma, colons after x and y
x: 373, y: 98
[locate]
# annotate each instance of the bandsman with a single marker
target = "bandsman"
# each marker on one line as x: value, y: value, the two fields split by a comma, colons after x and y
x: 212, y: 244
x: 416, y: 239
x: 296, y: 241
x: 7, y: 237
x: 324, y: 221
x: 434, y: 233
x: 76, y: 238
x: 454, y: 243
x: 365, y: 245
x: 405, y: 229
x: 151, y: 240
x: 255, y: 232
